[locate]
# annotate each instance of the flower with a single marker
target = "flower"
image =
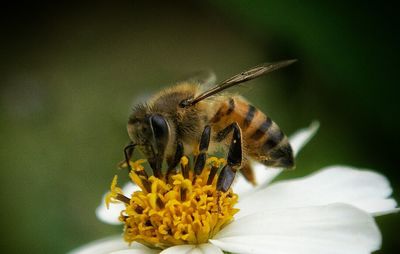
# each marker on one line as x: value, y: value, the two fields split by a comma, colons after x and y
x: 330, y: 211
x: 183, y: 209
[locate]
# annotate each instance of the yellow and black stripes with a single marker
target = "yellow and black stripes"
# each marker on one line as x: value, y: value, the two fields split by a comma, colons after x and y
x: 274, y: 137
x: 224, y: 110
x: 249, y: 116
x: 281, y: 156
x: 262, y: 129
x: 274, y: 148
x: 263, y: 139
x: 231, y: 106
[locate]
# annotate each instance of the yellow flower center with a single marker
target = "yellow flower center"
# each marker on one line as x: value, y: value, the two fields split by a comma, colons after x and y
x: 181, y: 209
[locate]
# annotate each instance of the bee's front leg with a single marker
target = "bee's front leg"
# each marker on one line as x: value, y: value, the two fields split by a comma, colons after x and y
x: 174, y: 161
x: 234, y: 160
x: 128, y: 151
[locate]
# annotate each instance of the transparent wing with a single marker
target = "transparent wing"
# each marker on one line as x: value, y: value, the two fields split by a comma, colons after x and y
x: 205, y: 78
x: 250, y: 74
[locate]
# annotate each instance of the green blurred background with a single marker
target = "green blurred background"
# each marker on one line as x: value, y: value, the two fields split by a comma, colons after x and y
x: 70, y: 72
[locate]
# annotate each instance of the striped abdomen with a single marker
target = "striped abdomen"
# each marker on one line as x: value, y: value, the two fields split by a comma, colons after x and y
x: 262, y: 138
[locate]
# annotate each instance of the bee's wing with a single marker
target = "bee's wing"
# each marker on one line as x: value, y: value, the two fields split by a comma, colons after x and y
x: 250, y: 74
x: 204, y: 78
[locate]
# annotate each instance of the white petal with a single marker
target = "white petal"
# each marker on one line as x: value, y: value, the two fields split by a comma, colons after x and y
x: 263, y: 174
x: 301, y: 137
x: 366, y: 190
x: 179, y: 249
x: 136, y: 251
x: 110, y: 216
x: 209, y: 248
x: 336, y: 228
x: 109, y: 244
x: 204, y: 248
x: 388, y: 211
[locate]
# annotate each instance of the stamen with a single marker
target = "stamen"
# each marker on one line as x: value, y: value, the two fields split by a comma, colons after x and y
x: 186, y: 209
x: 123, y: 199
x: 215, y: 165
x: 185, y: 166
x: 213, y: 172
x: 137, y: 166
x: 115, y: 194
x: 142, y: 182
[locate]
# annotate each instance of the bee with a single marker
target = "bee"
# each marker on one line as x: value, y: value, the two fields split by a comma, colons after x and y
x: 190, y: 118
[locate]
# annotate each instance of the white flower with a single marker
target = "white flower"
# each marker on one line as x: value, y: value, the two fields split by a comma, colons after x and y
x: 330, y: 211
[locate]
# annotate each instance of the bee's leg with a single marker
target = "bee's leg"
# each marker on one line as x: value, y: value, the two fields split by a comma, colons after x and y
x: 128, y: 151
x: 174, y: 161
x: 234, y: 159
x: 201, y: 158
x: 156, y: 165
x: 248, y: 173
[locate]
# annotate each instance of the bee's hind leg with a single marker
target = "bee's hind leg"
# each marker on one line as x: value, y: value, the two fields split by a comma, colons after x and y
x: 234, y: 160
x: 201, y: 158
x: 248, y: 173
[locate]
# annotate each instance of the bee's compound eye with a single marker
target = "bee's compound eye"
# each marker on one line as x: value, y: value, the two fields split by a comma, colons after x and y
x: 159, y: 127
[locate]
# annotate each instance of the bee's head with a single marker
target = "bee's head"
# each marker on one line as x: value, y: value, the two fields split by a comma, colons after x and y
x: 149, y: 131
x: 139, y: 131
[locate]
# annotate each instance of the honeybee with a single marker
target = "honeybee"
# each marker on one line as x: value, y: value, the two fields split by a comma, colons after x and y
x: 189, y: 118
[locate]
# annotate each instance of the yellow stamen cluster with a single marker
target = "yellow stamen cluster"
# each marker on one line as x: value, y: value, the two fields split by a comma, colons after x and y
x: 175, y: 211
